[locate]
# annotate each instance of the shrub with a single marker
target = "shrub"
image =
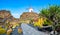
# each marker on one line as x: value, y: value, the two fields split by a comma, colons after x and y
x: 2, y: 30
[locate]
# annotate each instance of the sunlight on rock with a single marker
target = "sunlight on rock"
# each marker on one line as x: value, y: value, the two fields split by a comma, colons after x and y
x: 9, y: 31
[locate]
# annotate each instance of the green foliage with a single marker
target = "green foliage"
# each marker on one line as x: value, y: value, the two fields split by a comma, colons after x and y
x: 47, y: 22
x: 45, y: 12
x: 51, y: 13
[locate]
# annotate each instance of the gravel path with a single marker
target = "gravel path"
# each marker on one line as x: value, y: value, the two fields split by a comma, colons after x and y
x: 28, y: 30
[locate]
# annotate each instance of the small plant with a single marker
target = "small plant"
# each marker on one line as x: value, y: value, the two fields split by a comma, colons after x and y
x: 2, y: 30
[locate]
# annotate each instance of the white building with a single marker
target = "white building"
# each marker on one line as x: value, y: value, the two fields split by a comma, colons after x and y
x: 30, y: 9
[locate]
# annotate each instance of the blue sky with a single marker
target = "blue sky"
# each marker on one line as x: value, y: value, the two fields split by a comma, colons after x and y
x: 17, y: 7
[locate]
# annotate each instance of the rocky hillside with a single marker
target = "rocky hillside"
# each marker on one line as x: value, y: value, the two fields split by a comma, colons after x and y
x: 5, y: 14
x: 5, y: 17
x: 27, y: 16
